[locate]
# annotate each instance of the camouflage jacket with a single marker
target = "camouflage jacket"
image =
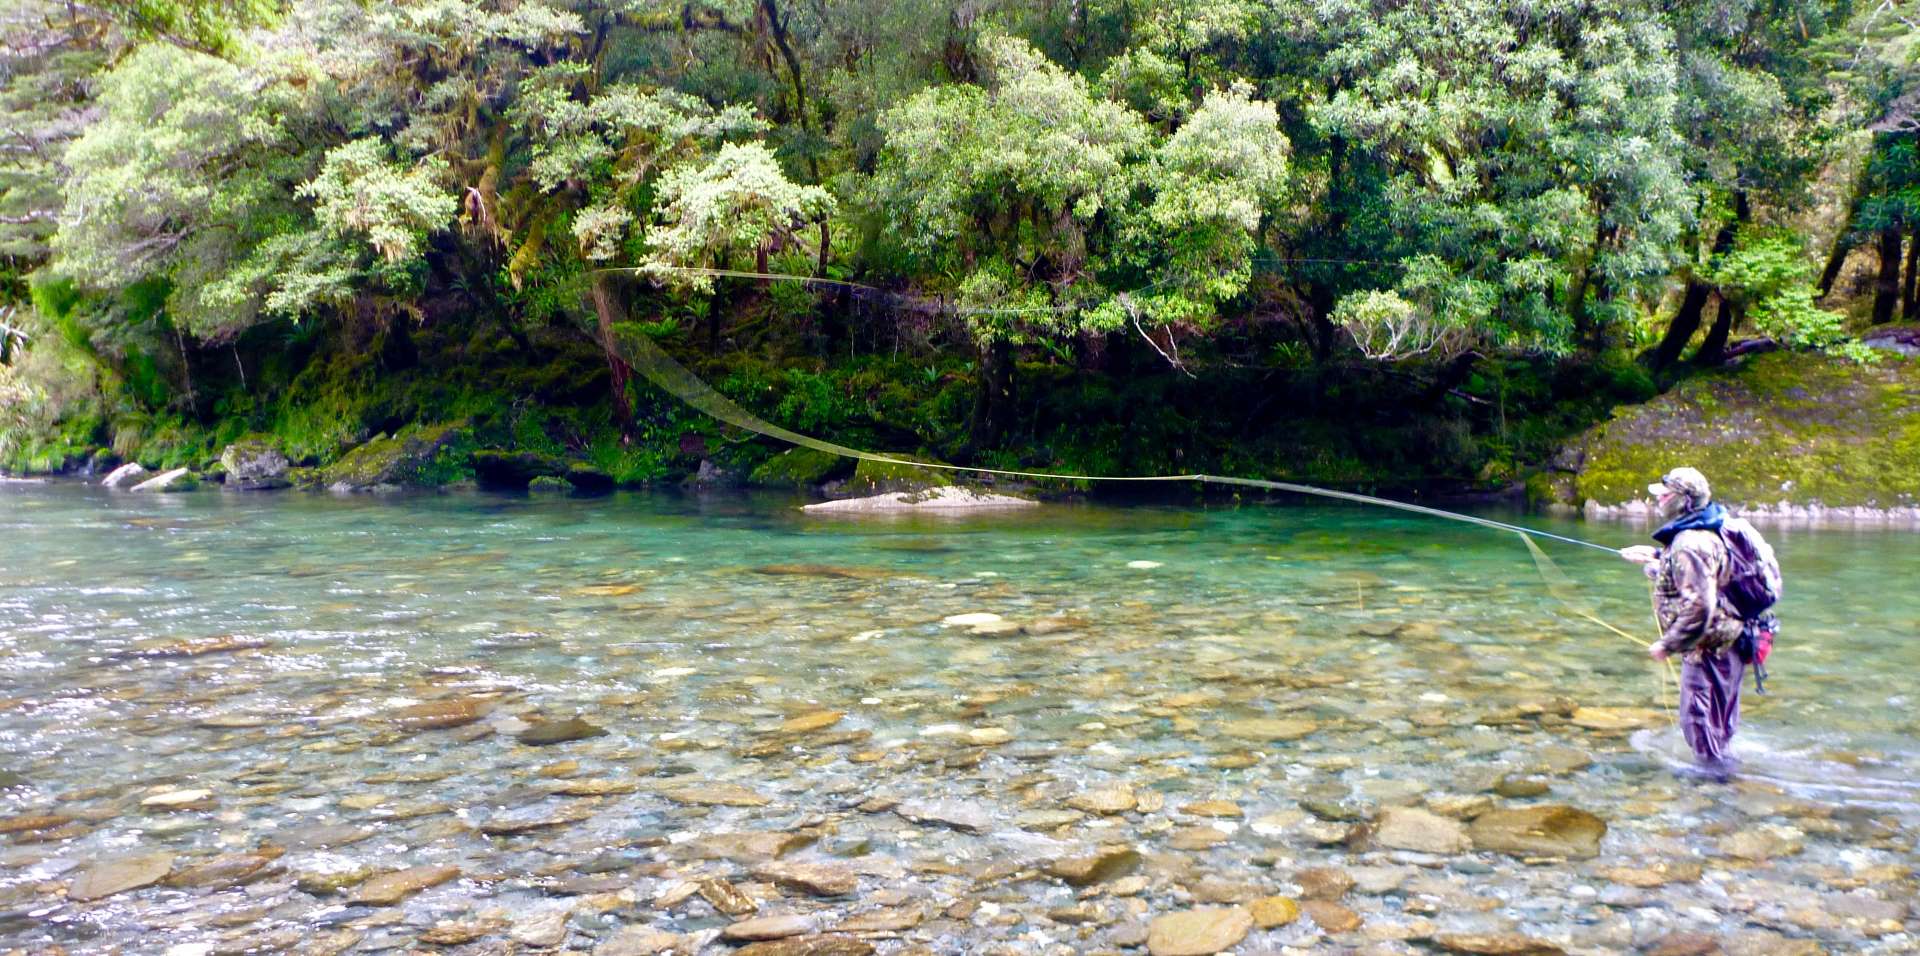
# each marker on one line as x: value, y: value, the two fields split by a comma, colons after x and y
x: 1687, y: 595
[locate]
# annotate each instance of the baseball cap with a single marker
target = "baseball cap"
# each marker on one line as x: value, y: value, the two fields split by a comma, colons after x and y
x: 1685, y: 481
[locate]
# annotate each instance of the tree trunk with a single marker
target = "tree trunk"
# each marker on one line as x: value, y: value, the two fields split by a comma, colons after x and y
x: 1836, y: 260
x: 1687, y: 320
x: 1908, y: 305
x: 1713, y: 351
x: 606, y: 308
x: 1685, y: 323
x: 993, y: 404
x: 1886, y: 288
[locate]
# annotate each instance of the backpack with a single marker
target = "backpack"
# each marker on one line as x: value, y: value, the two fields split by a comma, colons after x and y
x: 1753, y: 585
x: 1753, y: 588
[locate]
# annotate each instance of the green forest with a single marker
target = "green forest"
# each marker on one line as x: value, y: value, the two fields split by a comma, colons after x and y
x: 1374, y: 243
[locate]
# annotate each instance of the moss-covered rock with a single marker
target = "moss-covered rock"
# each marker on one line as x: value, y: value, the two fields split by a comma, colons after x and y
x: 588, y: 480
x: 420, y: 456
x: 800, y: 468
x: 1782, y: 428
x: 879, y: 477
x: 549, y: 485
x: 254, y: 464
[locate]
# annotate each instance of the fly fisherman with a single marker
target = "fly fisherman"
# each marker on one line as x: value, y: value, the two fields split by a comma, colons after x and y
x: 1714, y: 579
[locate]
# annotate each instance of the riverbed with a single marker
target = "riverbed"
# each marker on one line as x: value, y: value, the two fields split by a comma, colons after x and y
x: 288, y: 722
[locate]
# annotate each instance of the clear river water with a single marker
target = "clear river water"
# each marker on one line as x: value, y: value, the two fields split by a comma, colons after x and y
x: 476, y: 723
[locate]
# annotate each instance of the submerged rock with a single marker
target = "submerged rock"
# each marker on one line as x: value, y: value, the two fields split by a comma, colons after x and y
x: 1105, y: 864
x: 390, y: 888
x: 439, y: 714
x: 1107, y: 801
x: 946, y: 813
x: 769, y: 927
x: 715, y: 795
x: 559, y: 732
x: 1272, y: 912
x: 118, y: 876
x: 1496, y: 944
x: 1406, y: 828
x: 1331, y: 916
x: 1539, y: 831
x: 827, y: 945
x: 814, y: 879
x: 1198, y: 932
x: 638, y: 941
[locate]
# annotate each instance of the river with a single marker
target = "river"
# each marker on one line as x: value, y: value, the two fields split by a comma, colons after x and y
x: 225, y: 718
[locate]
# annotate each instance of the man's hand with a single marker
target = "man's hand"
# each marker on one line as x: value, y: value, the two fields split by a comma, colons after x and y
x: 1641, y: 554
x: 1657, y: 652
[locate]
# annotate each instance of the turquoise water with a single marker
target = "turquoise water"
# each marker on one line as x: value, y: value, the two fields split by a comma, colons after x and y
x: 1410, y: 660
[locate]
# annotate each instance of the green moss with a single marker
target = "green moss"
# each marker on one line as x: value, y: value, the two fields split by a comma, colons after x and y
x: 799, y: 468
x: 1793, y: 427
x: 879, y: 477
x: 427, y: 456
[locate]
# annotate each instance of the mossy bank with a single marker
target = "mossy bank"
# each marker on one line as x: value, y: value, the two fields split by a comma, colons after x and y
x: 1786, y: 435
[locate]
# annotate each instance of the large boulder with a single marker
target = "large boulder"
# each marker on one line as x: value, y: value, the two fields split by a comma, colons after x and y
x: 947, y: 500
x: 422, y: 456
x: 179, y: 479
x: 253, y: 464
x: 131, y: 472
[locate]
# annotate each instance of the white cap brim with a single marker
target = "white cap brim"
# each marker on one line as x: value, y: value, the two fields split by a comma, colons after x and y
x: 1657, y: 489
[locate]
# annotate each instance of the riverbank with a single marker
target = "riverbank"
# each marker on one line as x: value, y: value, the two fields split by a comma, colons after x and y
x: 1788, y: 438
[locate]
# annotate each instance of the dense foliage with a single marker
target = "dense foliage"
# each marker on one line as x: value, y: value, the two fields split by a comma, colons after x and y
x: 209, y: 210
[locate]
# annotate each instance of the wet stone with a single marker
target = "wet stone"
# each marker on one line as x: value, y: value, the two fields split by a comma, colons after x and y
x: 390, y: 888
x: 1544, y: 831
x: 1272, y: 912
x: 816, y: 879
x: 807, y: 723
x: 1655, y: 874
x: 1407, y: 828
x: 1495, y: 944
x: 728, y: 899
x: 438, y: 715
x: 947, y: 813
x: 1198, y: 932
x: 1106, y: 864
x: 638, y: 941
x: 559, y: 732
x: 1195, y: 838
x: 1269, y: 729
x: 224, y: 870
x: 1323, y: 883
x: 1513, y: 786
x: 541, y: 930
x: 769, y: 927
x: 1331, y: 916
x: 118, y: 876
x: 826, y: 945
x: 716, y: 795
x: 1682, y: 944
x: 1108, y: 801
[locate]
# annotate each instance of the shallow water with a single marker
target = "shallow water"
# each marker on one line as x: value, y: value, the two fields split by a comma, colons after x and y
x: 1408, y: 661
